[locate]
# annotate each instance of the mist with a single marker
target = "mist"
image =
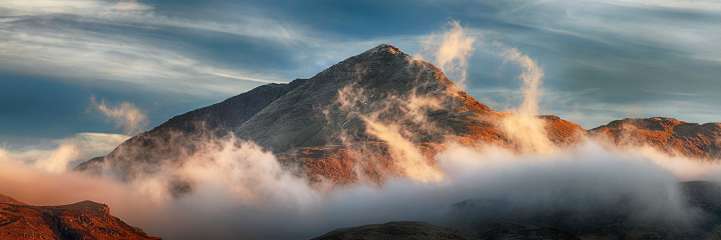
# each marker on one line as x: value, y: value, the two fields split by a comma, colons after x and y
x: 450, y: 50
x: 241, y: 191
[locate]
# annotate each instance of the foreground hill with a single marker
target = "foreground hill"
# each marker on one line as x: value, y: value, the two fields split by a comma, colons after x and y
x: 82, y: 220
x: 361, y: 118
x: 496, y: 219
x: 394, y: 230
x: 425, y: 231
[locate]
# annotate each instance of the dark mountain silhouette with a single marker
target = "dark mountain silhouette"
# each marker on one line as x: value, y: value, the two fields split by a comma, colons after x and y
x: 496, y: 219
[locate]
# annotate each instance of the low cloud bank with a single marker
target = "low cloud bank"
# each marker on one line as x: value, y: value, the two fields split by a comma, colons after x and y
x: 65, y: 153
x: 242, y: 191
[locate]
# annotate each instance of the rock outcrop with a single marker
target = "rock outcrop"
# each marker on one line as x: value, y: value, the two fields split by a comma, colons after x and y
x: 82, y: 220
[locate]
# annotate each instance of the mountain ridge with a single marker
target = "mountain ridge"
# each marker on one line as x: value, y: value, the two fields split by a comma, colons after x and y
x: 668, y: 135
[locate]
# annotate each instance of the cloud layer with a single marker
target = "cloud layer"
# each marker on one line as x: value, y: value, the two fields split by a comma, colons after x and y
x: 241, y: 191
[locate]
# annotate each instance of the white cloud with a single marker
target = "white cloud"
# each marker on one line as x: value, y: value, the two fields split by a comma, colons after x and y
x: 654, y: 23
x: 89, y: 56
x: 76, y: 7
x: 451, y: 50
x: 35, y: 40
x: 125, y: 115
x: 702, y: 5
x: 136, y: 13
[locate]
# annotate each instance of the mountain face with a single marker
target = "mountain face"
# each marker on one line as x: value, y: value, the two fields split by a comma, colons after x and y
x: 82, y: 220
x: 356, y: 119
x: 675, y: 137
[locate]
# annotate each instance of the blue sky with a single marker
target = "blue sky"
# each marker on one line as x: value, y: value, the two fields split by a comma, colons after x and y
x: 603, y: 60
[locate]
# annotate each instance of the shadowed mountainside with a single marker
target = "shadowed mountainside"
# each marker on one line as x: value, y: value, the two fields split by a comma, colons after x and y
x: 496, y: 219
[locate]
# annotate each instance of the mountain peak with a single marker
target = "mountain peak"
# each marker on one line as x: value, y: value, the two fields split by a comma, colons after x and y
x: 384, y: 48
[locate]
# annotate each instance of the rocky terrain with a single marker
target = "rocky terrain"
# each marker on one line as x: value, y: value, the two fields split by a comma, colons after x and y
x: 672, y: 136
x: 82, y: 220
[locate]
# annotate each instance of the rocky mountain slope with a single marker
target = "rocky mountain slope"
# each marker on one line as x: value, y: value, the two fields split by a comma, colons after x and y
x: 355, y: 119
x: 672, y: 136
x: 82, y: 220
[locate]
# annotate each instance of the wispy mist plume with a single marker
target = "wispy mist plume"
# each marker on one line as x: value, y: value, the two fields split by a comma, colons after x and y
x: 407, y: 156
x: 531, y: 77
x: 125, y: 115
x: 450, y: 51
x: 523, y: 124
